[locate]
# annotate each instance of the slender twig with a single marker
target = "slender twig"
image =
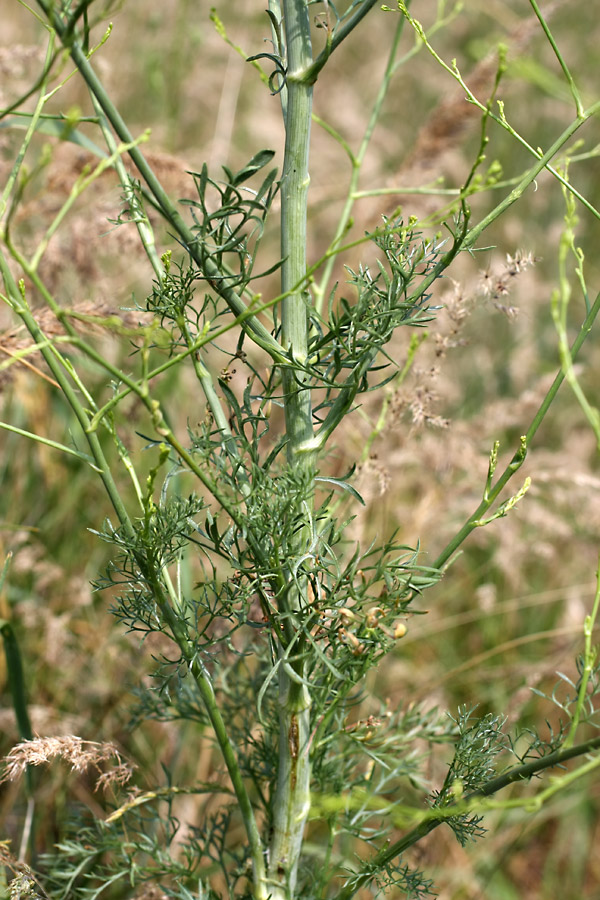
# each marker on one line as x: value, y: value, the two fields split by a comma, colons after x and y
x: 340, y: 34
x: 211, y: 271
x: 469, y: 803
x: 177, y: 628
x: 320, y: 291
x: 49, y: 443
x: 519, y: 457
x: 544, y: 158
x: 589, y: 660
x: 566, y: 72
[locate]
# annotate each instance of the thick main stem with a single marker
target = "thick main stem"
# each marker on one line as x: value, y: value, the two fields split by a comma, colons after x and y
x: 292, y: 797
x: 294, y: 194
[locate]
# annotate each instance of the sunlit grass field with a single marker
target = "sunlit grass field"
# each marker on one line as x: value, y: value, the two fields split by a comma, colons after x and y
x: 508, y: 616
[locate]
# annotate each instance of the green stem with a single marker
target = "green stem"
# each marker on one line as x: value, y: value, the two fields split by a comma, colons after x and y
x: 512, y: 776
x: 146, y: 234
x: 176, y: 626
x: 519, y: 456
x: 544, y: 158
x: 292, y: 798
x: 320, y: 291
x: 213, y: 274
x: 339, y: 35
x: 205, y: 688
x: 49, y: 443
x: 294, y: 195
x: 23, y: 311
x: 590, y: 656
x: 560, y: 303
x: 566, y: 72
x: 18, y: 690
x: 16, y: 680
x: 140, y: 389
x: 542, y: 163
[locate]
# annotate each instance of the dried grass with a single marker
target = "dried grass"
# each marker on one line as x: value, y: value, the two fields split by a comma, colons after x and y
x: 424, y: 480
x: 81, y: 755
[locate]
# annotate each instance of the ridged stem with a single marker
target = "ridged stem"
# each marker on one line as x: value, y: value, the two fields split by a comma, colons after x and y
x: 292, y: 797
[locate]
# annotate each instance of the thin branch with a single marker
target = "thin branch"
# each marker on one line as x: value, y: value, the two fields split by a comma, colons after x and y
x: 176, y: 627
x: 340, y: 34
x: 523, y: 772
x: 519, y: 457
x: 213, y: 274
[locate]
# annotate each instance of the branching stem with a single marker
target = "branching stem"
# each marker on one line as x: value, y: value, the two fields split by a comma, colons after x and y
x: 177, y: 630
x: 512, y: 776
x: 517, y: 460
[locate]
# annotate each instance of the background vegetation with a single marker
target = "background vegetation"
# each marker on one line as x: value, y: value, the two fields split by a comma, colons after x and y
x: 509, y: 614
